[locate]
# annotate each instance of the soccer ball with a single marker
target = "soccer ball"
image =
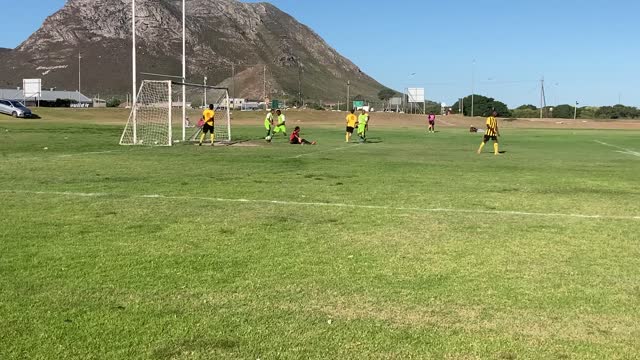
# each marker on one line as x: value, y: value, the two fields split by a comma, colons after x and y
x: 268, y: 138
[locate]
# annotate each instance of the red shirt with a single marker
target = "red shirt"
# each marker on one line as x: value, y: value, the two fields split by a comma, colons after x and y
x: 295, y: 137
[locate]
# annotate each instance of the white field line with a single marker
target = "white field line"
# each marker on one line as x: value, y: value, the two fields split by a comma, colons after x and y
x: 623, y: 150
x: 62, y: 156
x: 329, y: 205
x: 89, y: 153
x: 324, y: 151
x: 444, y: 122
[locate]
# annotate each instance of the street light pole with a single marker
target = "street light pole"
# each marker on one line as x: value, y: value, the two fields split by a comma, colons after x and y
x: 575, y: 111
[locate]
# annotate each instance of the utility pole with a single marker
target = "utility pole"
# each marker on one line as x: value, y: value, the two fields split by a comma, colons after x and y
x: 264, y: 86
x: 348, y: 95
x: 543, y: 101
x: 473, y: 86
x: 299, y: 85
x: 575, y: 111
x: 233, y: 83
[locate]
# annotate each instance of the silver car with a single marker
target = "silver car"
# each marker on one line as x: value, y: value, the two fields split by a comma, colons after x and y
x: 15, y: 109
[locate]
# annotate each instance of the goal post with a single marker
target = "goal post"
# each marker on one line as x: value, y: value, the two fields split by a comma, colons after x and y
x: 219, y: 98
x: 154, y: 115
x: 150, y: 120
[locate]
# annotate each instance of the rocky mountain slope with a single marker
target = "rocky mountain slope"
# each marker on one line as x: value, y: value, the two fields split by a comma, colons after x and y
x: 221, y: 35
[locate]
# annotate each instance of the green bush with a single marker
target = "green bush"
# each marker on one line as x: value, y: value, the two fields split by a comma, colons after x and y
x: 114, y: 102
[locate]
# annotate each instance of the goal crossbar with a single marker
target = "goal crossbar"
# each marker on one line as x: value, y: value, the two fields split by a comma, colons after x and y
x: 200, y: 86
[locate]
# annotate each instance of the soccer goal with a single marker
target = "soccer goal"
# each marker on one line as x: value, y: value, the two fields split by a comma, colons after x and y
x: 156, y: 115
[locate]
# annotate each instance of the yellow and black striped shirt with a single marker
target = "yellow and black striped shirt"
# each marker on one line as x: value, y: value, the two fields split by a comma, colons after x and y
x: 492, y: 126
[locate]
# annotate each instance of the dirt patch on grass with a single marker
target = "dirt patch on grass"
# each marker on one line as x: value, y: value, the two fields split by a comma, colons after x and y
x: 393, y: 120
x: 595, y: 328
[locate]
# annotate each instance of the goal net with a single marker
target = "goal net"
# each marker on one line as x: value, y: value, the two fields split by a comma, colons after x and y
x: 156, y: 116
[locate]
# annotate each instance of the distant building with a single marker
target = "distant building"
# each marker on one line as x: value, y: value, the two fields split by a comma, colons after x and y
x: 234, y: 103
x: 49, y: 96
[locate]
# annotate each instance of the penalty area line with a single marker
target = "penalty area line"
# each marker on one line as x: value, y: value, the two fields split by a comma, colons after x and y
x: 621, y: 150
x: 328, y: 205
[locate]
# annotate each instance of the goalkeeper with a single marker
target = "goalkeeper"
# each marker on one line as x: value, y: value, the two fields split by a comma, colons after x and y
x: 209, y: 118
x: 282, y: 124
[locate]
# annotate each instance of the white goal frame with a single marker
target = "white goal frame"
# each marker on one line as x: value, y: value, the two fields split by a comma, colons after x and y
x: 151, y: 120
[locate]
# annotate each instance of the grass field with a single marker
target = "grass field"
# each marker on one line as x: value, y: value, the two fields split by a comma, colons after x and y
x: 411, y: 246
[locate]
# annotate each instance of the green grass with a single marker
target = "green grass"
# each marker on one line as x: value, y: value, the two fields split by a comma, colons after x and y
x: 121, y: 276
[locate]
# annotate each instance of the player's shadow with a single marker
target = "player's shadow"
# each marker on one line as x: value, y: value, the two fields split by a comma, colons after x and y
x: 502, y: 152
x: 374, y: 140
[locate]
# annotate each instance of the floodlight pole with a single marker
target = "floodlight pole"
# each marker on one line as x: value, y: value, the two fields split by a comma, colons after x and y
x: 575, y: 111
x: 184, y: 70
x: 134, y: 95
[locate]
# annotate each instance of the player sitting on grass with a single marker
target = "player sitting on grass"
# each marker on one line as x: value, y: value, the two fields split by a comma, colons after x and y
x: 363, y: 120
x: 352, y: 119
x: 432, y: 123
x: 209, y: 119
x: 295, y: 138
x: 282, y: 122
x: 269, y: 122
x: 492, y: 133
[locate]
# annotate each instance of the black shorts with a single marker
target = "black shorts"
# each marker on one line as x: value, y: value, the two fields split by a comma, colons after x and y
x: 490, y: 137
x: 207, y: 128
x: 350, y: 129
x: 432, y: 122
x: 294, y: 142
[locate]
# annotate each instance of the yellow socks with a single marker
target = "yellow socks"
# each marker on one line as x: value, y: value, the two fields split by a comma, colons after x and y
x: 202, y: 138
x: 495, y: 149
x: 347, y: 137
x: 481, y: 147
x: 213, y: 138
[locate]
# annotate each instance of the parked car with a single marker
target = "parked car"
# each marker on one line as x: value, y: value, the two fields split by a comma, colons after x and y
x: 15, y: 109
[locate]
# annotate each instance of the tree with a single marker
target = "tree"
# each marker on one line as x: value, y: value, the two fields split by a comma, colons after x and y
x: 587, y: 112
x: 617, y: 112
x: 527, y: 107
x: 483, y: 106
x: 563, y: 112
x: 386, y: 94
x: 114, y: 102
x: 525, y: 113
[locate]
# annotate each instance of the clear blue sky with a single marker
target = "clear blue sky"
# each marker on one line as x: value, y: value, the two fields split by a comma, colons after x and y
x: 587, y: 50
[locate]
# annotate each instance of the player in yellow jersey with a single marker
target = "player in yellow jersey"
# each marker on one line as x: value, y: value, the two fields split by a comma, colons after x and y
x: 363, y: 123
x: 269, y: 121
x: 352, y: 119
x: 281, y: 122
x: 492, y: 133
x: 209, y: 119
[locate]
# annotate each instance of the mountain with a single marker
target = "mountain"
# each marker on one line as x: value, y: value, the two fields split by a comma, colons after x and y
x: 220, y: 33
